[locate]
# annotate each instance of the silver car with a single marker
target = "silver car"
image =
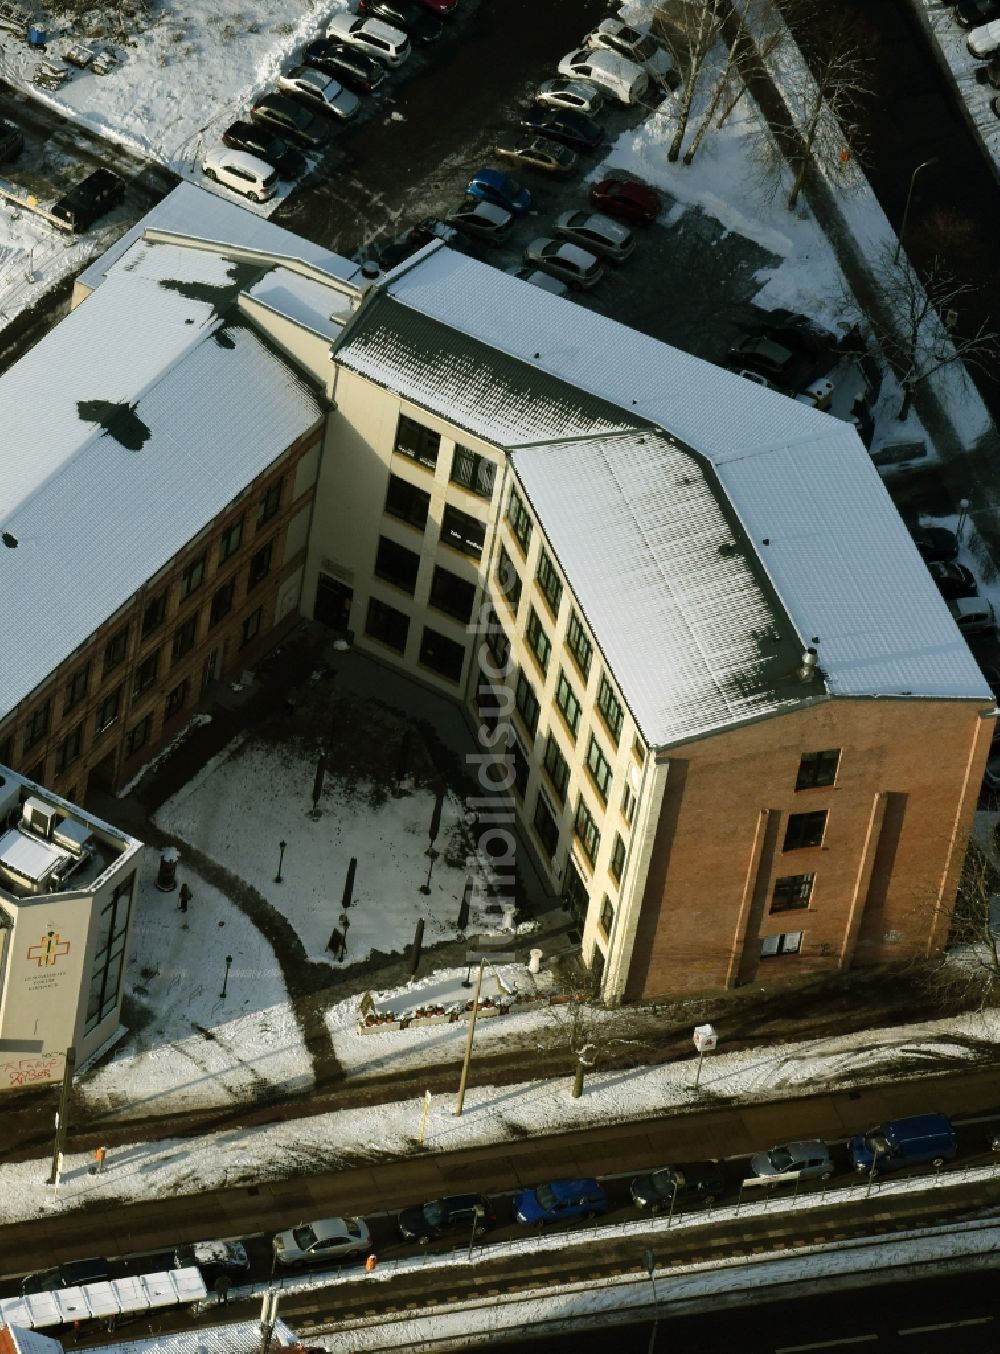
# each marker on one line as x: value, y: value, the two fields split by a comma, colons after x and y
x: 807, y: 1160
x: 319, y: 91
x: 315, y: 1242
x: 599, y: 234
x: 565, y: 260
x: 579, y: 95
x: 484, y: 220
x: 539, y: 279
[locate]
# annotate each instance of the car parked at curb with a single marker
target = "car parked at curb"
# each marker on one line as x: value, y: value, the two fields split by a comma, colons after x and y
x: 389, y: 45
x: 327, y: 1240
x: 454, y: 1213
x: 537, y: 153
x: 808, y: 1160
x: 265, y: 145
x: 643, y: 49
x: 319, y: 91
x: 214, y: 1258
x: 614, y: 75
x: 406, y: 15
x: 579, y: 95
x: 291, y: 119
x: 953, y: 579
x: 671, y: 1185
x: 544, y: 281
x: 90, y: 199
x: 564, y: 260
x: 243, y: 173
x: 495, y: 185
x: 627, y: 200
x: 598, y: 234
x: 482, y: 220
x: 917, y: 1140
x: 355, y: 69
x: 564, y: 125
x: 560, y: 1201
x: 69, y: 1275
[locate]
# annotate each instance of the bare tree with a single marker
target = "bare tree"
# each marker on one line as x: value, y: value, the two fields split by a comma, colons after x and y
x: 967, y: 972
x: 697, y: 25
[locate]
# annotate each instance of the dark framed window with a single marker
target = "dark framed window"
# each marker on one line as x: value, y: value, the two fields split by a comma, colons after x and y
x: 538, y: 641
x: 628, y: 803
x: 575, y: 895
x: 638, y: 751
x: 177, y: 698
x: 405, y: 501
x: 599, y: 768
x: 387, y: 625
x: 270, y: 503
x: 610, y: 709
x: 138, y: 735
x: 442, y: 655
x: 508, y: 580
x: 193, y: 576
x: 7, y: 749
x: 69, y: 749
x: 804, y: 829
x: 107, y: 711
x: 473, y: 472
x: 544, y: 823
x: 109, y: 956
x: 396, y: 565
x: 788, y: 943
x: 184, y: 637
x: 114, y: 650
x: 579, y: 645
x: 817, y: 768
x: 791, y: 891
x: 497, y: 642
x: 520, y: 522
x: 420, y: 444
x: 568, y: 705
x: 526, y: 703
x: 231, y: 540
x: 522, y: 767
x: 462, y: 532
x: 145, y: 673
x: 453, y: 595
x: 37, y: 726
x: 586, y: 829
x: 154, y: 613
x: 222, y: 602
x: 251, y: 627
x: 260, y: 565
x: 556, y: 768
x: 607, y: 916
x: 617, y: 866
x: 76, y: 688
x: 548, y: 581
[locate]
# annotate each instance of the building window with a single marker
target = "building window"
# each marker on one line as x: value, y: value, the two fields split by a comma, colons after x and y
x: 153, y: 614
x: 789, y: 943
x: 473, y: 472
x: 76, y: 688
x: 387, y: 625
x: 497, y: 642
x: 520, y: 522
x: 177, y: 698
x: 441, y: 654
x: 548, y: 582
x: 509, y: 580
x: 607, y: 916
x: 184, y: 637
x: 544, y: 823
x: 579, y: 645
x: 397, y: 565
x: 222, y: 602
x: 617, y: 865
x: 556, y: 768
x: 453, y: 595
x: 610, y: 709
x: 138, y: 735
x: 230, y: 541
x: 568, y: 705
x: 193, y: 576
x: 538, y: 641
x: 420, y: 444
x: 585, y: 827
x: 628, y: 803
x: 114, y: 650
x: 145, y: 673
x: 804, y: 829
x: 793, y: 890
x: 69, y: 749
x: 107, y: 711
x: 405, y: 501
x: 526, y: 703
x: 522, y: 767
x: 6, y: 750
x: 462, y: 532
x: 638, y: 751
x: 270, y: 503
x: 599, y: 768
x: 37, y: 726
x: 251, y: 627
x: 260, y: 565
x: 817, y: 768
x: 109, y: 956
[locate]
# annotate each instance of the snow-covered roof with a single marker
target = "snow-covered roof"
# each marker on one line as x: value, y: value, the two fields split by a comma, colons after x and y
x: 305, y: 300
x: 127, y: 429
x: 19, y: 1340
x: 235, y: 1337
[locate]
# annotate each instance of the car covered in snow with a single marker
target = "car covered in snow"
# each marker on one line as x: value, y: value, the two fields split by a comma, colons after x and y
x: 564, y: 260
x: 598, y: 234
x: 320, y: 91
x: 389, y: 45
x: 578, y: 95
x: 654, y: 57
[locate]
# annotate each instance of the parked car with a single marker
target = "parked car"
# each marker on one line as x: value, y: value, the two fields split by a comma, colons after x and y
x: 992, y: 676
x: 935, y: 542
x: 389, y: 45
x: 670, y: 1185
x: 560, y: 1201
x: 615, y: 76
x: 291, y: 119
x: 259, y: 141
x: 494, y: 185
x: 643, y: 49
x: 762, y: 355
x: 918, y: 1140
x: 68, y: 1275
x: 564, y: 125
x: 565, y: 260
x: 626, y: 199
x: 989, y: 74
x: 537, y: 153
x: 11, y: 140
x: 818, y: 394
x: 953, y: 579
x: 983, y: 42
x: 454, y: 1213
x: 318, y: 90
x: 809, y: 1160
x: 314, y: 1242
x: 537, y: 278
x: 991, y: 772
x: 90, y: 199
x: 355, y: 69
x: 579, y: 95
x: 482, y: 220
x: 392, y: 252
x: 214, y: 1258
x: 973, y: 615
x: 440, y: 7
x: 973, y: 13
x: 240, y: 171
x: 995, y: 105
x: 407, y: 15
x: 598, y: 234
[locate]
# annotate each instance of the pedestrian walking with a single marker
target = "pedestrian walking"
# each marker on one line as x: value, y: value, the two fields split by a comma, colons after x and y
x: 99, y: 1156
x: 336, y: 943
x: 370, y: 1264
x: 222, y: 1286
x: 185, y: 897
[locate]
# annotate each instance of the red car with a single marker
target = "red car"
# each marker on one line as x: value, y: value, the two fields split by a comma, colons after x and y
x: 439, y: 7
x: 632, y: 202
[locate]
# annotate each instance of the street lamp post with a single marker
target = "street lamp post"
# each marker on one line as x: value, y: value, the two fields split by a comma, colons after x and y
x: 281, y: 860
x: 477, y: 1216
x: 924, y: 164
x: 963, y: 512
x: 225, y: 981
x: 650, y: 1260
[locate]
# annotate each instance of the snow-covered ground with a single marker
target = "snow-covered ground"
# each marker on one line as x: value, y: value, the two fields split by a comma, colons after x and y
x: 952, y: 42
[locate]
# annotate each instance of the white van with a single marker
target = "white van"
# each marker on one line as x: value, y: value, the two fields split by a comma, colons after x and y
x: 242, y: 172
x: 983, y: 42
x: 614, y: 75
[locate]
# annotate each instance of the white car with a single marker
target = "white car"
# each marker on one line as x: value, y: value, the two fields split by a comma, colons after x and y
x: 599, y: 234
x: 614, y: 36
x: 983, y: 42
x: 539, y: 279
x: 329, y: 1240
x: 387, y: 44
x: 319, y: 91
x: 576, y: 94
x: 564, y: 260
x: 614, y: 75
x: 242, y: 172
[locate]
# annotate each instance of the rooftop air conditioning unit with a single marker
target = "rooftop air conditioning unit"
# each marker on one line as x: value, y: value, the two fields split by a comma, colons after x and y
x: 39, y: 817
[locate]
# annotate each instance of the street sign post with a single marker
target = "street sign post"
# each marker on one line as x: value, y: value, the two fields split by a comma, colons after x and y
x: 705, y: 1040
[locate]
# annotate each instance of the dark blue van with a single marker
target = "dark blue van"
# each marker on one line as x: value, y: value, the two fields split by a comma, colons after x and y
x: 914, y: 1141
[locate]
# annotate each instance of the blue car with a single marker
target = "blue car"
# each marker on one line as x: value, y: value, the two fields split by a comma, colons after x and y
x: 493, y: 185
x: 559, y: 1201
x: 563, y: 124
